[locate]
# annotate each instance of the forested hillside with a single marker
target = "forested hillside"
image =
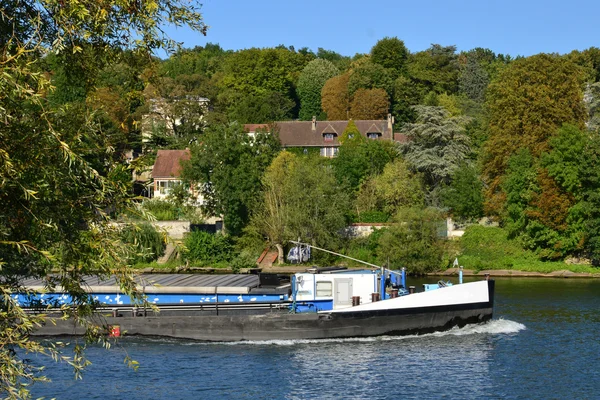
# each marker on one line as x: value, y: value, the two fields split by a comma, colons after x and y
x: 512, y: 139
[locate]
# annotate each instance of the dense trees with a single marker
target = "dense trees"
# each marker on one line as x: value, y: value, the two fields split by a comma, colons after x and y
x: 529, y: 100
x: 226, y: 167
x: 58, y: 177
x: 301, y: 199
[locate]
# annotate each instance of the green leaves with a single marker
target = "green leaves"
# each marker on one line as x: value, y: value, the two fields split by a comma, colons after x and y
x: 227, y: 168
x: 311, y: 81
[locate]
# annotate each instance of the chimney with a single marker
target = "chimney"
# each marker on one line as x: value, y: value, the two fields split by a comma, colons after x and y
x: 390, y: 124
x: 314, y: 123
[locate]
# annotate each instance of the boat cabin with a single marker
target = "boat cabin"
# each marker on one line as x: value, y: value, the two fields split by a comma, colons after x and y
x: 320, y: 290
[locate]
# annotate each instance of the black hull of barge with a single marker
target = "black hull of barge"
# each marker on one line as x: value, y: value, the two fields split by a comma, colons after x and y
x: 286, y: 326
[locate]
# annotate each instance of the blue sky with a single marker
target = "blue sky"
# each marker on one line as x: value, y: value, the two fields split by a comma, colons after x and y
x: 348, y: 27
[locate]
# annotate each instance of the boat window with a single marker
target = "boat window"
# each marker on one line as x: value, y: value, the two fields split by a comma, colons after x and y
x: 324, y: 289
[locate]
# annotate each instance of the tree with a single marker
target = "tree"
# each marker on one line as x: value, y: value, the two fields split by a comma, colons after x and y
x: 317, y: 203
x: 436, y: 146
x: 413, y: 241
x: 262, y: 108
x: 394, y: 188
x: 435, y: 68
x: 358, y: 157
x: 255, y: 71
x: 271, y: 215
x: 527, y: 103
x: 473, y: 80
x: 335, y: 99
x: 390, y: 53
x: 369, y: 104
x: 464, y: 195
x: 55, y: 199
x: 368, y: 75
x: 311, y: 82
x: 301, y: 199
x: 227, y: 167
x: 407, y: 94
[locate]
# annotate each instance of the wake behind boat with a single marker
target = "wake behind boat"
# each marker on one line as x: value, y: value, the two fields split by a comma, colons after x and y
x: 317, y: 304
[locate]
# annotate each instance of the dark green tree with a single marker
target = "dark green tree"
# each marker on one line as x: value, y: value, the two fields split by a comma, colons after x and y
x: 413, y: 241
x: 436, y: 69
x: 359, y: 157
x: 464, y: 195
x: 437, y: 145
x: 390, y: 53
x: 262, y: 108
x: 227, y: 166
x: 368, y: 75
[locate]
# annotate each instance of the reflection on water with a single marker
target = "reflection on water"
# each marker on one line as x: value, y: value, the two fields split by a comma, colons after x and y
x: 541, y: 344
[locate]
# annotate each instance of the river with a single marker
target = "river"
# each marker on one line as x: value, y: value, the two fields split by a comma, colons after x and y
x: 542, y: 343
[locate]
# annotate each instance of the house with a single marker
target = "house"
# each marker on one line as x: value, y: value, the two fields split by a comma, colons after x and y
x: 166, y: 115
x: 167, y: 171
x: 325, y: 134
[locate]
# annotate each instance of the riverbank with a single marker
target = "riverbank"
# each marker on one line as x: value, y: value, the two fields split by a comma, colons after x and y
x: 292, y: 269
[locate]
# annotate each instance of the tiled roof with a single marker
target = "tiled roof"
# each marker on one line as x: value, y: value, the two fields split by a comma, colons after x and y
x: 167, y: 164
x: 301, y: 133
x: 400, y: 137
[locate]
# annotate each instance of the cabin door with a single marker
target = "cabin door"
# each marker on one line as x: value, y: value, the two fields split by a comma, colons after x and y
x: 343, y: 292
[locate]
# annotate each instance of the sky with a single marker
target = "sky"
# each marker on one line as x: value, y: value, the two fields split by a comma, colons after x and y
x: 513, y: 27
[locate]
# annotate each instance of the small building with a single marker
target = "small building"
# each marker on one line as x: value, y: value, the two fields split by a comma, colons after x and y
x: 166, y: 172
x: 325, y: 135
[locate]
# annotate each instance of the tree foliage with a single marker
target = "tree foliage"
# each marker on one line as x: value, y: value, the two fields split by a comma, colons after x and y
x: 529, y: 100
x: 436, y: 69
x: 390, y: 53
x: 335, y: 99
x: 368, y: 75
x: 358, y: 157
x: 227, y: 167
x: 311, y: 82
x: 436, y: 146
x: 301, y: 199
x: 413, y: 241
x: 58, y: 177
x: 394, y: 188
x: 464, y: 195
x: 369, y: 104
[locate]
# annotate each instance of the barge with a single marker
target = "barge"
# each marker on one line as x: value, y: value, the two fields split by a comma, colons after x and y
x: 316, y: 304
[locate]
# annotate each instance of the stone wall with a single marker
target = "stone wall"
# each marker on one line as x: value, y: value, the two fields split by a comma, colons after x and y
x: 175, y: 229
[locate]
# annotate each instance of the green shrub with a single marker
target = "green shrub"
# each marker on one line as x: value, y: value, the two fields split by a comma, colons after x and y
x: 148, y: 243
x: 243, y: 260
x: 413, y: 241
x: 162, y: 210
x: 208, y: 248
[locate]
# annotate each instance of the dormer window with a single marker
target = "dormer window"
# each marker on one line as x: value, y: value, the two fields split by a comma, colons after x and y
x: 328, y: 137
x: 373, y: 135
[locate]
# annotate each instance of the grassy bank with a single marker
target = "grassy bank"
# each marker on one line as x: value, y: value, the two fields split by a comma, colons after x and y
x: 484, y: 248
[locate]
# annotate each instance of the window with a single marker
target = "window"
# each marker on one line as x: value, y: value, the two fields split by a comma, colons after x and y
x: 164, y: 187
x: 324, y: 289
x: 373, y: 135
x: 329, y: 151
x: 328, y: 137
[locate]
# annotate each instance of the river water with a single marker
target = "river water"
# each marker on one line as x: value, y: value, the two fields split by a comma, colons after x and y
x: 543, y: 343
